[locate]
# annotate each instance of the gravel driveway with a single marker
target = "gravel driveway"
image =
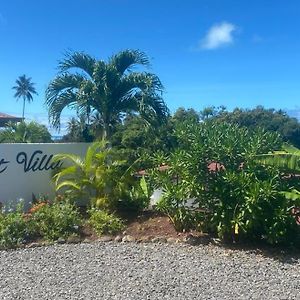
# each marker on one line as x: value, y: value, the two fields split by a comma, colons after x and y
x: 145, y: 271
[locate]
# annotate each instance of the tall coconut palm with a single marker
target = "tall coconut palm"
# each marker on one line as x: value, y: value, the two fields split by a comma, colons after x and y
x: 109, y: 88
x: 24, y: 89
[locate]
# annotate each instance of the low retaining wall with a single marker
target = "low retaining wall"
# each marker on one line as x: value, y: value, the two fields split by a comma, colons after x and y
x: 26, y: 169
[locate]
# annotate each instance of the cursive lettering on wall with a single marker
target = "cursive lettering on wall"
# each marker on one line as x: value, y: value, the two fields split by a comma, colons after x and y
x: 37, y: 161
x: 3, y: 165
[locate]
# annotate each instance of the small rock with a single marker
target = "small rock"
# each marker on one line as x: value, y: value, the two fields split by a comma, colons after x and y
x: 145, y: 239
x: 128, y: 238
x: 172, y: 240
x: 73, y: 239
x: 61, y: 241
x: 87, y: 240
x: 159, y: 239
x: 105, y: 238
x: 216, y: 241
x: 118, y: 238
x: 33, y: 245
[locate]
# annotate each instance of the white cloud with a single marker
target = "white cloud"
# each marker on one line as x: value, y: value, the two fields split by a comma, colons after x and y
x: 218, y: 35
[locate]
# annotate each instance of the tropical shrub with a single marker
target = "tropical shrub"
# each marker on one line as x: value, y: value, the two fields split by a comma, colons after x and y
x: 14, y: 228
x: 23, y: 132
x: 136, y: 198
x: 235, y: 196
x: 102, y: 179
x: 104, y: 223
x: 57, y: 220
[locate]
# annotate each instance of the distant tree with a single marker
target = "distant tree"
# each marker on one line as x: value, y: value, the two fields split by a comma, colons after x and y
x: 110, y: 89
x: 78, y: 131
x: 134, y: 132
x: 25, y: 133
x: 269, y: 119
x: 24, y: 89
x: 183, y: 115
x: 211, y: 111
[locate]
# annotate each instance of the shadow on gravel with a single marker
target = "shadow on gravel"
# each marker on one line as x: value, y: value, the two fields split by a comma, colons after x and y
x: 285, y: 255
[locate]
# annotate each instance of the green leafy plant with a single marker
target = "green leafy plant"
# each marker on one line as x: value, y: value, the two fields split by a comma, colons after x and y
x: 287, y: 159
x: 57, y: 220
x: 100, y: 179
x: 237, y: 197
x: 136, y: 198
x: 25, y: 132
x: 14, y: 228
x: 105, y: 223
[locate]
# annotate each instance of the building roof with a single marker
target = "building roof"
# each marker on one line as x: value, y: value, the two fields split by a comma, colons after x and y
x: 5, y: 118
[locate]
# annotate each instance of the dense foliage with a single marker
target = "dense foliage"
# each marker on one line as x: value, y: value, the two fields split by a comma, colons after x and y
x: 104, y: 179
x: 234, y: 195
x: 269, y: 119
x: 24, y: 132
x: 14, y: 228
x: 56, y: 220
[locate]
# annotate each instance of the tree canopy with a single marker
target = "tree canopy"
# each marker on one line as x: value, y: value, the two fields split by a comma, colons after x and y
x: 109, y: 89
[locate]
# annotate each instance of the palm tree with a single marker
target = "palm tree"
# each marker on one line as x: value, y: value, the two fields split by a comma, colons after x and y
x: 24, y: 89
x: 107, y: 88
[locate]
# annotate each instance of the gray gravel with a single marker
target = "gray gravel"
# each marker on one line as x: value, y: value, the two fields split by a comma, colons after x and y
x: 145, y: 271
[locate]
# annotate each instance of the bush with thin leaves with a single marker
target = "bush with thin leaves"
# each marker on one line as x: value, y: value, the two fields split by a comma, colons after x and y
x: 14, y: 228
x: 57, y: 220
x: 105, y: 223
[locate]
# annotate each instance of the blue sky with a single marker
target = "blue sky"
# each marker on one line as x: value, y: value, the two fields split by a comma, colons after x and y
x: 206, y: 52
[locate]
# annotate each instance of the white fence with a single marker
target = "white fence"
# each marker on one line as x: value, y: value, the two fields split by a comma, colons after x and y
x: 25, y: 169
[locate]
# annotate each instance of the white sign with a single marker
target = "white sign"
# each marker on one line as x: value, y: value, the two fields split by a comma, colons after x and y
x: 26, y: 169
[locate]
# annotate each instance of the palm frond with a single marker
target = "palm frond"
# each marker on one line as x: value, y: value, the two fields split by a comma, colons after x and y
x: 78, y: 60
x: 61, y: 83
x: 65, y: 172
x: 72, y: 158
x: 68, y: 183
x: 127, y: 59
x: 92, y: 152
x: 62, y: 93
x: 67, y: 99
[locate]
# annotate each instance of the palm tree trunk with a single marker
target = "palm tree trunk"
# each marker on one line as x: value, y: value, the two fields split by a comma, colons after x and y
x: 23, y: 108
x: 107, y: 132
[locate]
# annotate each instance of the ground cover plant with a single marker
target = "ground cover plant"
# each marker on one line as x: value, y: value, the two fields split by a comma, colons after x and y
x: 52, y: 221
x: 105, y: 223
x: 14, y: 228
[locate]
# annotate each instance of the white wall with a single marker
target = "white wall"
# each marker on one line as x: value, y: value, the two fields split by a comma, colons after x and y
x: 26, y: 169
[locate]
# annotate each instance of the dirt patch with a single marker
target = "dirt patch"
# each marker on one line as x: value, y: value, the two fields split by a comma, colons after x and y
x: 151, y: 224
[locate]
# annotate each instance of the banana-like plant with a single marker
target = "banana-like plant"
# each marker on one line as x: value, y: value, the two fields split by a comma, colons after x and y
x: 288, y: 159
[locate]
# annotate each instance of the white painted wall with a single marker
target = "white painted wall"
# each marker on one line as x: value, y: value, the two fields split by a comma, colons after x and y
x: 26, y: 169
